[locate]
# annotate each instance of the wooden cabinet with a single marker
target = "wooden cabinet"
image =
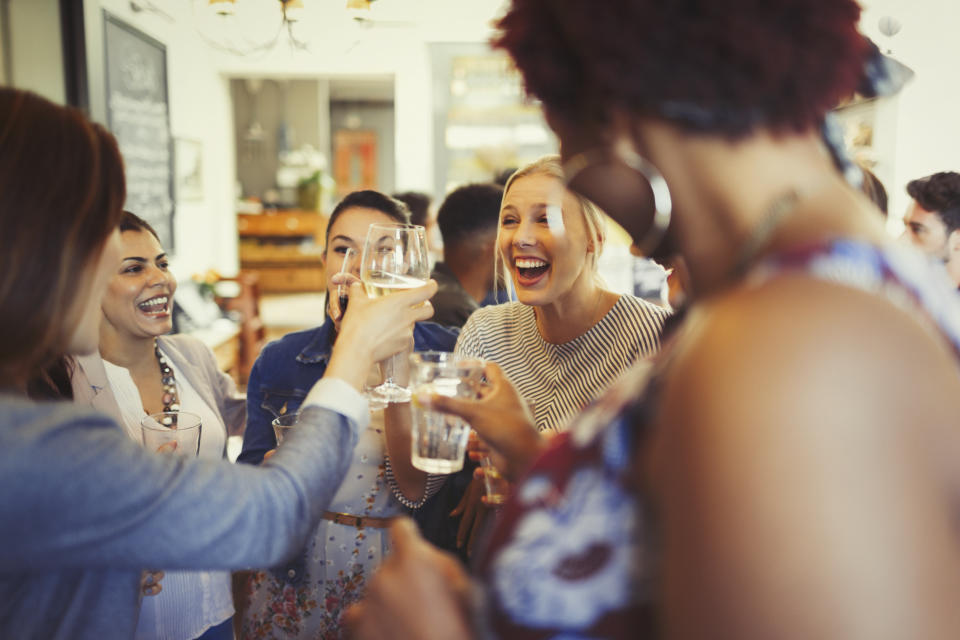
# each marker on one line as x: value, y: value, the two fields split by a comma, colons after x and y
x: 283, y: 248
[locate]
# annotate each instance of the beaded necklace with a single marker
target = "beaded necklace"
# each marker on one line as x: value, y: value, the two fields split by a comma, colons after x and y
x: 170, y: 400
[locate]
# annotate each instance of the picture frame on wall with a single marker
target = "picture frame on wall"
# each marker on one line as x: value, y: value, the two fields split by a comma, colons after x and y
x: 188, y: 165
x: 138, y: 115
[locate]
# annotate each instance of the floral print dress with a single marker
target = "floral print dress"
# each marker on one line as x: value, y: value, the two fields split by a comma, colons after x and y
x: 306, y: 598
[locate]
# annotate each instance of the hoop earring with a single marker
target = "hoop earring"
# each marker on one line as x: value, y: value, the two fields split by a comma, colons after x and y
x: 662, y: 202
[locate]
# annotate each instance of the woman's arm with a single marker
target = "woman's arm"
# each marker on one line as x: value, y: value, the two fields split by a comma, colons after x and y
x: 795, y: 471
x: 403, y: 477
x: 86, y: 496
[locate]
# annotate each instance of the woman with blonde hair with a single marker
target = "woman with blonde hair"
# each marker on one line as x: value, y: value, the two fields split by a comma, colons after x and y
x: 567, y: 338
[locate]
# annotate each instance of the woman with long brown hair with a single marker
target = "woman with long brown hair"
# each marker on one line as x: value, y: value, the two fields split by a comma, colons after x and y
x: 84, y: 509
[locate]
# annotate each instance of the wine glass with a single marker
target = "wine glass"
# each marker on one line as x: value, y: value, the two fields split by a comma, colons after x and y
x: 395, y: 258
x: 175, y: 432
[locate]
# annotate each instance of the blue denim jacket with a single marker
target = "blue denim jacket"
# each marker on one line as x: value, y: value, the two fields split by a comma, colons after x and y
x: 287, y: 369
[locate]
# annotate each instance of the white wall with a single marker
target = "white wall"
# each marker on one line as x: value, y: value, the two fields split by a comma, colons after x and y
x: 353, y: 51
x: 36, y: 56
x: 205, y: 231
x: 925, y: 125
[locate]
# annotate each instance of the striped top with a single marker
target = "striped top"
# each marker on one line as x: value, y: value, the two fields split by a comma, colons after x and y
x: 559, y: 380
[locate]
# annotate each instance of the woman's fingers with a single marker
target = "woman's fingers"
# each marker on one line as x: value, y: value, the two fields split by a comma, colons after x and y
x: 150, y: 582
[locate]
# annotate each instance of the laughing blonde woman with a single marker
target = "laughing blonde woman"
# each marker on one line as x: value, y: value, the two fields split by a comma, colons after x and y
x: 567, y: 338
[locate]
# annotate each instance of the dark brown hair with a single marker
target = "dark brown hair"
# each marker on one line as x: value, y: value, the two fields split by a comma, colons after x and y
x: 132, y: 222
x: 722, y: 67
x: 61, y: 195
x: 369, y: 199
x: 939, y: 193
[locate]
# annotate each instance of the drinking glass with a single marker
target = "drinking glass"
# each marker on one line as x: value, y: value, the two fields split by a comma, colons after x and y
x: 395, y: 258
x: 175, y: 432
x: 283, y: 424
x: 495, y: 485
x: 439, y: 440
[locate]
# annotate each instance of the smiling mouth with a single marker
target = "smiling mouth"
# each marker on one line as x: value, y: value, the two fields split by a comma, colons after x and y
x: 530, y: 269
x: 158, y: 305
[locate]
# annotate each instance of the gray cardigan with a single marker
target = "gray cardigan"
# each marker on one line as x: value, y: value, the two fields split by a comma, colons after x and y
x: 84, y: 509
x: 190, y: 356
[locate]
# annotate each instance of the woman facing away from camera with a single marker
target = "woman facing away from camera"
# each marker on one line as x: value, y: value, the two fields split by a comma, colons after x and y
x: 141, y: 371
x: 306, y: 597
x: 85, y: 510
x: 567, y: 338
x: 787, y: 467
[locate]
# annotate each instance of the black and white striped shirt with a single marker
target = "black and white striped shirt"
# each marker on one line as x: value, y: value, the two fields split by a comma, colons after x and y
x: 559, y: 380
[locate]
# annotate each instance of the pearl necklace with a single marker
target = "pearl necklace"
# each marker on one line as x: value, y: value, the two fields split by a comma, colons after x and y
x: 169, y: 399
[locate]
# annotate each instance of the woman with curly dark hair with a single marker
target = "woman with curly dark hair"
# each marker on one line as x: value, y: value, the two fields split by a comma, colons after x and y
x: 757, y: 481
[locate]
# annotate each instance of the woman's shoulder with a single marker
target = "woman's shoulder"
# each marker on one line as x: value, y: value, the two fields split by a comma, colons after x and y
x: 497, y: 322
x: 25, y: 420
x: 638, y: 307
x: 184, y: 342
x: 496, y: 314
x: 798, y: 334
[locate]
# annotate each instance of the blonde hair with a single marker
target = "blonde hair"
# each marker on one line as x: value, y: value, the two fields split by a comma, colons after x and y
x: 593, y: 216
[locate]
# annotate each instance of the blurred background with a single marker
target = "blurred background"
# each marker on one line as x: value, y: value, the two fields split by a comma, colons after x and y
x: 242, y: 122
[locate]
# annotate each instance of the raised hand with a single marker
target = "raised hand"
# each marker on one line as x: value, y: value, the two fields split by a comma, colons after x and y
x: 500, y: 416
x: 373, y: 329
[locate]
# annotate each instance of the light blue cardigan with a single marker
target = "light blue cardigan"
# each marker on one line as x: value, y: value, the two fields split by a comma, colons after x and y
x: 84, y: 509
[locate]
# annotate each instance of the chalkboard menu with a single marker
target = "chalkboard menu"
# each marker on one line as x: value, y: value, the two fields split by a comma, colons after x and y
x: 138, y: 115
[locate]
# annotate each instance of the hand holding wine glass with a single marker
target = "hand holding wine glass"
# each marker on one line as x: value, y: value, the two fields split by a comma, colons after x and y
x: 375, y: 329
x: 395, y: 258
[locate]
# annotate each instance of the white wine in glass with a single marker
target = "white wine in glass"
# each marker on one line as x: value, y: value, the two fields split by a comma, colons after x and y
x: 395, y: 258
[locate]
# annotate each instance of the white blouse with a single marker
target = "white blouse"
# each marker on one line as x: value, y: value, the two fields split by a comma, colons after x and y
x: 190, y: 602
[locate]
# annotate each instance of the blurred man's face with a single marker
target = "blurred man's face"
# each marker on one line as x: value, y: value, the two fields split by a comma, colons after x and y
x: 926, y: 231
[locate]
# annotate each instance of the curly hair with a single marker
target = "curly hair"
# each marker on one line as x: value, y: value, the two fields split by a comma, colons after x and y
x: 939, y: 193
x: 725, y: 67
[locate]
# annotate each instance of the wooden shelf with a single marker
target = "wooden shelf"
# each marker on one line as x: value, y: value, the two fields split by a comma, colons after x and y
x: 283, y: 224
x: 284, y: 249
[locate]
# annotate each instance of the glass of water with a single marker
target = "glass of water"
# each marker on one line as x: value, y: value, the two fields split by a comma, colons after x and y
x: 176, y: 432
x: 439, y: 440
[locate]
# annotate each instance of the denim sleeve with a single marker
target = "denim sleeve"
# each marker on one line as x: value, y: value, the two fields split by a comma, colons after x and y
x: 80, y: 494
x: 258, y: 437
x: 430, y: 336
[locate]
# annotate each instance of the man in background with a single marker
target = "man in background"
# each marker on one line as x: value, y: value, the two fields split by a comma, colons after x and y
x: 933, y: 219
x: 468, y: 224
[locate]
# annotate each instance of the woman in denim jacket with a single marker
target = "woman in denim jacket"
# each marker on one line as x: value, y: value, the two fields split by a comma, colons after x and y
x: 305, y: 598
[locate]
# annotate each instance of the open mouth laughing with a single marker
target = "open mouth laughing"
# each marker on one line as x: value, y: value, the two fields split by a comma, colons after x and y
x: 157, y: 306
x: 530, y: 270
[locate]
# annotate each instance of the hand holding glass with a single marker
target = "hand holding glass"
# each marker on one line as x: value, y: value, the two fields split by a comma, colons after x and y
x: 439, y: 440
x: 283, y: 424
x: 394, y: 259
x: 176, y: 432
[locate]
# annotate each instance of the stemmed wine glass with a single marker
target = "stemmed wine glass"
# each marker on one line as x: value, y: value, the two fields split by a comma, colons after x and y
x: 395, y: 258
